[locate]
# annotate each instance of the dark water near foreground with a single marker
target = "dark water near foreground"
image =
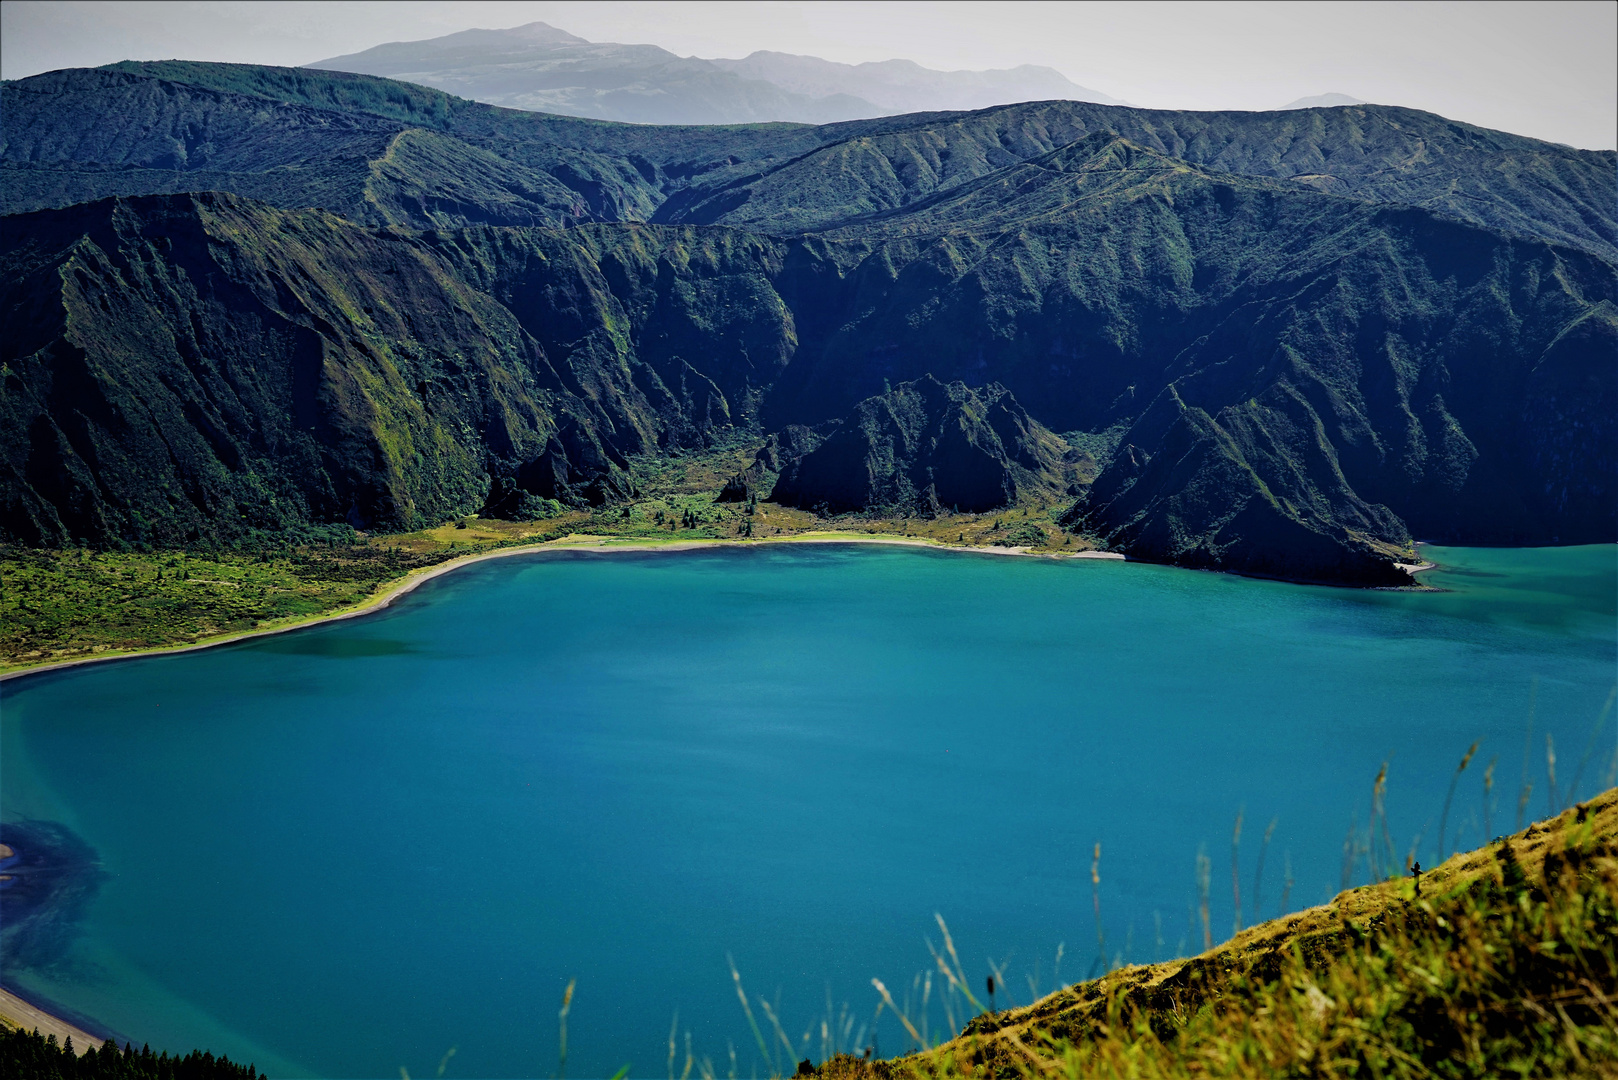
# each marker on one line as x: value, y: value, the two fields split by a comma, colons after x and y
x: 349, y: 849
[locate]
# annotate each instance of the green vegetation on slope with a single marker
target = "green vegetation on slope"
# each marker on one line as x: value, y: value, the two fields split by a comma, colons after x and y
x: 1501, y: 962
x: 1296, y: 371
x: 61, y: 605
x: 77, y: 603
x: 239, y: 120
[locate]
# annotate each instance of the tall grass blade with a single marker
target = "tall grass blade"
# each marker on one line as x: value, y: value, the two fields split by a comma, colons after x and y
x: 1204, y: 880
x: 780, y: 1032
x: 1550, y: 775
x: 887, y: 999
x: 1527, y: 746
x: 1095, y: 896
x: 1286, y: 883
x: 1000, y: 981
x: 561, y: 1022
x: 1235, y: 869
x: 1488, y: 799
x: 1443, y: 818
x: 958, y: 979
x: 926, y: 995
x: 1380, y: 859
x: 1595, y: 734
x: 1258, y: 873
x: 741, y: 995
x: 1351, y: 850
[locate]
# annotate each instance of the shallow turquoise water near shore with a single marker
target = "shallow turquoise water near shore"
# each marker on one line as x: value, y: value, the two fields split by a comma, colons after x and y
x: 345, y: 850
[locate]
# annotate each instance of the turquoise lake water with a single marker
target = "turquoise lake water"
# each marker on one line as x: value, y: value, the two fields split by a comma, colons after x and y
x: 348, y: 849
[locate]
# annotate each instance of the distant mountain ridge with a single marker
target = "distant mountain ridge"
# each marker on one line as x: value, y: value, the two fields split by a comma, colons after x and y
x: 1281, y: 343
x: 1323, y: 101
x: 541, y: 68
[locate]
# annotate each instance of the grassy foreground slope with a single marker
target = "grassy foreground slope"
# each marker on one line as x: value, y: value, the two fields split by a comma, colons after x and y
x: 1501, y: 962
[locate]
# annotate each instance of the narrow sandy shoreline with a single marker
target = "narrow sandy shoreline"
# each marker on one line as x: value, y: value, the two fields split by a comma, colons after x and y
x: 571, y: 542
x: 30, y: 1017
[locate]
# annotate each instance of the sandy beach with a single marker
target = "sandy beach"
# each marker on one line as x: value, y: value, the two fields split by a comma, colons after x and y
x: 18, y: 1013
x: 572, y: 542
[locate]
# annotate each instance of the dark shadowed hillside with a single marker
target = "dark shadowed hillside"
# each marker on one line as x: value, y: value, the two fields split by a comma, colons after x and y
x: 199, y: 366
x: 923, y: 447
x: 1283, y: 343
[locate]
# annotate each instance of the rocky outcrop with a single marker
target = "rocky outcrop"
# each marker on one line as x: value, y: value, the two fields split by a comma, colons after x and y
x: 925, y: 447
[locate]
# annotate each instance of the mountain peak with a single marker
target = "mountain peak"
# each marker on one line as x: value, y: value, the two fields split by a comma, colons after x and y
x: 539, y: 68
x: 540, y: 33
x: 1323, y: 101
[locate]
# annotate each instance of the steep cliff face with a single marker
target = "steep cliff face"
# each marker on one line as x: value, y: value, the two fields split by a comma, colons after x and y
x: 1366, y: 373
x: 677, y: 331
x: 1285, y: 364
x: 195, y: 365
x: 924, y: 447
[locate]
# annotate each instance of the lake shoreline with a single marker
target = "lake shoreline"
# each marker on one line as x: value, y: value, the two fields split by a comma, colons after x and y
x: 48, y: 1022
x: 43, y: 1017
x: 586, y: 544
x: 572, y: 542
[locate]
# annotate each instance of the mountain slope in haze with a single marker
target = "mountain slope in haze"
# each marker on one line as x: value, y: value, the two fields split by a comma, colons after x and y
x: 904, y: 86
x: 1323, y: 101
x: 298, y: 137
x: 541, y: 68
x: 1278, y: 361
x: 1376, y: 153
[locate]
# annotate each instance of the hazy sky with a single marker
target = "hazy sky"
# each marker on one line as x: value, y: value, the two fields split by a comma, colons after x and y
x: 1544, y: 69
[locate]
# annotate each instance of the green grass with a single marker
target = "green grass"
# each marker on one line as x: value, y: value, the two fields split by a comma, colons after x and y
x: 78, y: 603
x: 1503, y: 963
x: 57, y: 605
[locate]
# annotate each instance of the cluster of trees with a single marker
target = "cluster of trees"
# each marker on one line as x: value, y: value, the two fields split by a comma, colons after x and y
x: 31, y: 1056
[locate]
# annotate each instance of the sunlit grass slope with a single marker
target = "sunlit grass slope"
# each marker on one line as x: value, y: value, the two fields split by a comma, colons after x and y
x: 1501, y: 962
